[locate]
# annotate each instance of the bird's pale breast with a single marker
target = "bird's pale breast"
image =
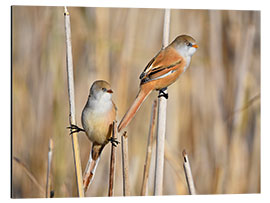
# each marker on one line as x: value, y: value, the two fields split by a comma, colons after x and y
x: 97, y: 125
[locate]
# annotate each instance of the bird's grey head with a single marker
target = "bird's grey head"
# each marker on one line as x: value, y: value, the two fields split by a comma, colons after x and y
x: 101, y: 89
x: 185, y: 45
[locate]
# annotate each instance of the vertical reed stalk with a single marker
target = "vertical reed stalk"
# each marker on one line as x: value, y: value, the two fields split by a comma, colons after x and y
x: 149, y: 149
x: 124, y: 144
x: 161, y: 123
x: 74, y: 138
x: 112, y: 163
x: 188, y: 173
x: 49, y: 166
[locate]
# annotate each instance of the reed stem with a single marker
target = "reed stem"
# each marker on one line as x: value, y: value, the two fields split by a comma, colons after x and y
x: 188, y: 173
x: 112, y: 162
x: 124, y: 144
x: 161, y: 123
x: 74, y: 138
x: 149, y: 149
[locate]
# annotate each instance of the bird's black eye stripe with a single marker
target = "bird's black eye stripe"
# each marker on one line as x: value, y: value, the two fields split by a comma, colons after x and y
x: 189, y: 44
x: 104, y: 89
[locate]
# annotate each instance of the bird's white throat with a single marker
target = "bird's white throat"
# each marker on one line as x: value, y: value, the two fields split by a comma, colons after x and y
x: 186, y: 52
x: 101, y: 104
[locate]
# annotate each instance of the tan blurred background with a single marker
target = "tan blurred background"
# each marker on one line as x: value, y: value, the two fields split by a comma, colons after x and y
x: 213, y: 109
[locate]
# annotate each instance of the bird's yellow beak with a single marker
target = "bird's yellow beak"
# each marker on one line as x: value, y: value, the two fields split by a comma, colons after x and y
x: 195, y: 46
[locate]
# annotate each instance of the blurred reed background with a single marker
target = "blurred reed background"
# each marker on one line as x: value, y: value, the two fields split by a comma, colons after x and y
x: 213, y: 109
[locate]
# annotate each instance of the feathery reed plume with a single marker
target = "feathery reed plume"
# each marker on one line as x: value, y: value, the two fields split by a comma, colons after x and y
x: 74, y: 138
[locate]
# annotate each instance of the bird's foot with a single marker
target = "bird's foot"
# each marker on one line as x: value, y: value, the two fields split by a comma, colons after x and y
x: 163, y: 94
x: 74, y: 129
x: 113, y: 141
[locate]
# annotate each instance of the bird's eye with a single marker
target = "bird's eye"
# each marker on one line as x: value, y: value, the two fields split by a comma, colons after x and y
x: 104, y: 89
x: 189, y: 44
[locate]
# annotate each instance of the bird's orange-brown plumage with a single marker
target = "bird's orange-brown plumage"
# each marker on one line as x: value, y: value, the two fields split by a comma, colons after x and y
x: 151, y: 79
x: 160, y: 72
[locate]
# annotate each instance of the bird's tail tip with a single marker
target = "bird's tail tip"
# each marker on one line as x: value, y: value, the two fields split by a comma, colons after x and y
x: 121, y: 126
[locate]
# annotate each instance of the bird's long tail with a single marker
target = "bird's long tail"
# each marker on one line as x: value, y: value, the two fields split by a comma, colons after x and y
x: 141, y: 96
x: 91, y: 166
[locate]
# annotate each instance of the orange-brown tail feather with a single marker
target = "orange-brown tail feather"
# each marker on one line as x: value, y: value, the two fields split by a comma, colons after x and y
x: 143, y: 93
x: 92, y: 165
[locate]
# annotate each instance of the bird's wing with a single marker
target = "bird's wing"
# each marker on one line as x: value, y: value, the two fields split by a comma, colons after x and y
x: 163, y: 64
